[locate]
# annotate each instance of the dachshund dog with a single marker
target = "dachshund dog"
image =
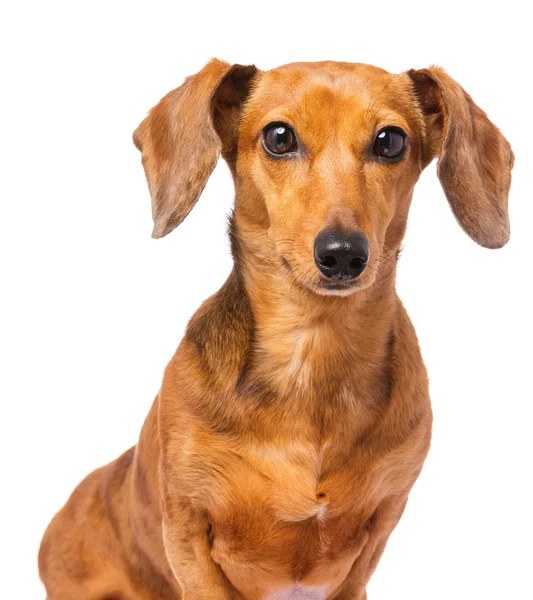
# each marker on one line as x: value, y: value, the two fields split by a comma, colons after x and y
x: 294, y: 417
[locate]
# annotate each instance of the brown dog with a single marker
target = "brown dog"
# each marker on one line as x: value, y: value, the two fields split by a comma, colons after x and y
x: 294, y: 417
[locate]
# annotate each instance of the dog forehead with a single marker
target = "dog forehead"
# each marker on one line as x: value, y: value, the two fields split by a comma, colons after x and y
x: 313, y: 88
x: 326, y: 72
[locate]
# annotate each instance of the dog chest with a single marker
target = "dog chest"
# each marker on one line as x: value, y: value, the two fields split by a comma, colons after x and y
x: 285, y: 525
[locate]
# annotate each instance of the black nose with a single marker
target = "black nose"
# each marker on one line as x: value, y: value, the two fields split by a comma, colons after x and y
x: 341, y: 255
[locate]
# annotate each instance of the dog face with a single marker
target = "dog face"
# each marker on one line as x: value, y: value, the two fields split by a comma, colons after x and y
x: 325, y: 157
x: 331, y: 153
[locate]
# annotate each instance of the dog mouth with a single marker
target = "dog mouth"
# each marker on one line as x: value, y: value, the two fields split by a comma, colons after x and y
x: 326, y: 287
x: 320, y: 285
x: 337, y: 285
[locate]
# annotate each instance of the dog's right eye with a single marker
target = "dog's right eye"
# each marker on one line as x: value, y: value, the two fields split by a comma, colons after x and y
x: 279, y: 139
x: 390, y: 143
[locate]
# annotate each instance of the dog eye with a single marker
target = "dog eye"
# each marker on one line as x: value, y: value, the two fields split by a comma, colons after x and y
x: 390, y: 142
x: 279, y: 138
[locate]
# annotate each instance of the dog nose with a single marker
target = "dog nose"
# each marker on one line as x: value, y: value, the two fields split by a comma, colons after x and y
x: 341, y: 255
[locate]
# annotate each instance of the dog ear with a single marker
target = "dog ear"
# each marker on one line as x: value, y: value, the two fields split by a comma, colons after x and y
x: 474, y: 158
x: 183, y: 136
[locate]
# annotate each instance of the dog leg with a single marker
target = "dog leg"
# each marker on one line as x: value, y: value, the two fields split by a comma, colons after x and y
x: 380, y: 527
x: 188, y: 549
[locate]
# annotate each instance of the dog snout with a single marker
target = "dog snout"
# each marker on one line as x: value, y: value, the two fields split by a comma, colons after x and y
x: 341, y: 255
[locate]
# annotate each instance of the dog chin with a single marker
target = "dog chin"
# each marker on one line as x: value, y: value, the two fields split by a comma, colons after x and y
x: 339, y: 289
x: 326, y: 288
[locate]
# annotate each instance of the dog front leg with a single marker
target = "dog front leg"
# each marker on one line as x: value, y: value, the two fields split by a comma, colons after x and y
x: 188, y: 549
x: 380, y: 527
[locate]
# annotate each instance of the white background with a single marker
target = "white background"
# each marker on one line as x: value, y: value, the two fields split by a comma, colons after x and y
x: 93, y: 308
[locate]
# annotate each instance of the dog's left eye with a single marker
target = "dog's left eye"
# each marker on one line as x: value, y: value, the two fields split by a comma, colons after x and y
x: 279, y: 138
x: 390, y: 142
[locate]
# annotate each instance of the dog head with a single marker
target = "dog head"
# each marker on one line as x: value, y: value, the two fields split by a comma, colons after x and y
x: 325, y: 157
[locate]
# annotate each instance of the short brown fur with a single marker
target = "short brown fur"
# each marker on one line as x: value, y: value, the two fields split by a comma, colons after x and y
x: 292, y: 422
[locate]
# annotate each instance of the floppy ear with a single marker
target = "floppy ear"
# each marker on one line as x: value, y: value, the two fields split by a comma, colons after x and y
x: 475, y: 160
x: 183, y: 136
